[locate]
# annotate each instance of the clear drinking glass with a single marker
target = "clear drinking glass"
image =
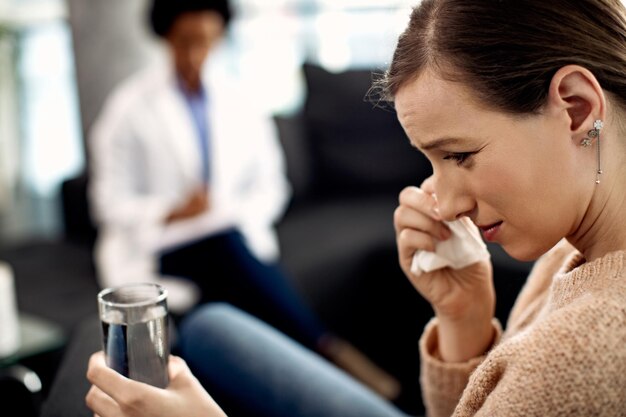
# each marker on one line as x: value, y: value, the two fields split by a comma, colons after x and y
x: 135, y: 338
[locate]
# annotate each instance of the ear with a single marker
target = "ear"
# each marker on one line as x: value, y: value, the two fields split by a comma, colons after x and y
x: 576, y: 95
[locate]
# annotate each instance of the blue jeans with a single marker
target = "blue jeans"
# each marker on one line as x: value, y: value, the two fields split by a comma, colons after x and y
x: 251, y: 369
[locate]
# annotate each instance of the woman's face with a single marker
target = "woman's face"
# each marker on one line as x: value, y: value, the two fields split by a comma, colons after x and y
x: 190, y: 39
x: 516, y: 177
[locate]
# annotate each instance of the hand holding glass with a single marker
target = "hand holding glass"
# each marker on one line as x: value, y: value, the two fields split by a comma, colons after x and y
x: 135, y: 332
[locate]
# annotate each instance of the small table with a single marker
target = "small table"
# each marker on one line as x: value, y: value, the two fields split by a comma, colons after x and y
x: 37, y: 336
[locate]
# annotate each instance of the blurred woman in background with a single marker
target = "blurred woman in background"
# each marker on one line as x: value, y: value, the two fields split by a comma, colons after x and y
x: 187, y: 182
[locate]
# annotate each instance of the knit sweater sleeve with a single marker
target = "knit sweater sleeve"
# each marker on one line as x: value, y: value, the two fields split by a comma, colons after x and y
x: 572, y: 364
x: 569, y: 361
x: 443, y: 383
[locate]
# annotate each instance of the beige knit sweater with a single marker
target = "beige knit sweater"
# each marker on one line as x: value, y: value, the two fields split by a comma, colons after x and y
x: 563, y: 352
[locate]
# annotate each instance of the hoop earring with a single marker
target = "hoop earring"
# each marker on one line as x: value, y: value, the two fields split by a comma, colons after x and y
x: 586, y: 142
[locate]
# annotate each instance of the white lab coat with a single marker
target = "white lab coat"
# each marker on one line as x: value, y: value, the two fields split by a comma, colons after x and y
x: 145, y: 160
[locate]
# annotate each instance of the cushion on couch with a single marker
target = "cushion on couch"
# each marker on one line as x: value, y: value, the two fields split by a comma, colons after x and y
x: 356, y: 146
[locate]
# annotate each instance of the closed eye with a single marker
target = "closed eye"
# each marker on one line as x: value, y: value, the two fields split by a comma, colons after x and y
x: 459, y: 157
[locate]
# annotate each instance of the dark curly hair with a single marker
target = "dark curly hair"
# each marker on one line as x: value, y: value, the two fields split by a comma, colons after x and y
x: 163, y: 13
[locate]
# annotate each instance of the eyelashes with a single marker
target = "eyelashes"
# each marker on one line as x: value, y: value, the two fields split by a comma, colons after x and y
x: 460, y: 158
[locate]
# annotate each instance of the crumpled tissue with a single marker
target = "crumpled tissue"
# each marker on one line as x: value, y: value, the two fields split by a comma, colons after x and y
x: 463, y: 248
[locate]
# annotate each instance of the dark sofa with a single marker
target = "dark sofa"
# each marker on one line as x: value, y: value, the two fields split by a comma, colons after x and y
x: 347, y: 161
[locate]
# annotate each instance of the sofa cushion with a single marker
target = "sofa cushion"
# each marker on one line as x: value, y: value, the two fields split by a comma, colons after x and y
x: 356, y: 146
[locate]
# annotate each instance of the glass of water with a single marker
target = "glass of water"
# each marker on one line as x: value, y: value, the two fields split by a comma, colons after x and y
x: 135, y: 337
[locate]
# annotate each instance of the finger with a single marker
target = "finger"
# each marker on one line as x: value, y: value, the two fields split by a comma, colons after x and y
x: 409, y: 241
x: 419, y: 200
x: 408, y: 218
x: 106, y: 379
x: 197, y: 199
x: 205, y: 202
x: 101, y: 404
x: 428, y: 185
x: 202, y: 195
x: 180, y: 374
x: 176, y: 366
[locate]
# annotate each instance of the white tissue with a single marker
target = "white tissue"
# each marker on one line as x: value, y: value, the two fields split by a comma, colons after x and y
x: 463, y: 248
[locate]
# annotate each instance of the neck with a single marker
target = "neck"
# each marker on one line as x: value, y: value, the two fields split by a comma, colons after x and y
x: 191, y: 85
x: 603, y: 229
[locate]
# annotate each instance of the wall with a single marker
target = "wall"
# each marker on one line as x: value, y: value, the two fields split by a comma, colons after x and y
x: 111, y: 40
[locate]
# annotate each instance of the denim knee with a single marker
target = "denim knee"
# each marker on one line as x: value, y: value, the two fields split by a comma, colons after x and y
x: 205, y: 321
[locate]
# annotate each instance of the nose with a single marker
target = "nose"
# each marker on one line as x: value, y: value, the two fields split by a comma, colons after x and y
x: 454, y: 198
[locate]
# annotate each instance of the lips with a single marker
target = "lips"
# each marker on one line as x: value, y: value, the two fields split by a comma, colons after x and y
x: 490, y: 231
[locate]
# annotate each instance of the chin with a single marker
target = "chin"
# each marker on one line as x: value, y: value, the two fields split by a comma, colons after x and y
x: 524, y: 253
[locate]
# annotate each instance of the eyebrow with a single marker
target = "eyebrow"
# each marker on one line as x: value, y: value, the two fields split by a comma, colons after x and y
x: 439, y: 143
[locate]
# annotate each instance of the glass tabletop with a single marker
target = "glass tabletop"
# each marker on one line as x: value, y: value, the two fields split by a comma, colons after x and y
x: 37, y: 335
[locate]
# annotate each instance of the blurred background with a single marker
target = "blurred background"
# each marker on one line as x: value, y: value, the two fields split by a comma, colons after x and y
x: 309, y: 62
x: 53, y: 81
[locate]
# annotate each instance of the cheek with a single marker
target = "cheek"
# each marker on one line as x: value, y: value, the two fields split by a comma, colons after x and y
x: 513, y: 179
x: 533, y: 206
x: 203, y: 53
x: 509, y: 193
x: 501, y: 189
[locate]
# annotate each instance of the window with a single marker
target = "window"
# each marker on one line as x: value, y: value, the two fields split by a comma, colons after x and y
x: 272, y: 38
x: 40, y: 143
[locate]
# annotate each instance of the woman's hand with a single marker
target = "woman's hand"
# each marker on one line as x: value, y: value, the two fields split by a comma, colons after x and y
x: 197, y: 203
x: 113, y: 395
x: 463, y: 299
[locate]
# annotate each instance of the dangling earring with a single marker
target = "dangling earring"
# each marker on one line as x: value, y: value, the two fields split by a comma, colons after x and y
x: 594, y: 134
